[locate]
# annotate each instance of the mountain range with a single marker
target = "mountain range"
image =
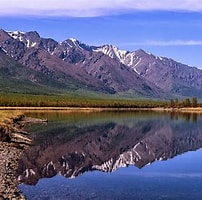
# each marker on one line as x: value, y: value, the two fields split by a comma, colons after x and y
x: 32, y: 64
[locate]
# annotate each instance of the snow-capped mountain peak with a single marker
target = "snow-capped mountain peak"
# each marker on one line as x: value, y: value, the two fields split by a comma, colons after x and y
x: 130, y: 59
x: 73, y: 40
x: 17, y: 35
x: 30, y: 39
x: 72, y: 43
x: 113, y: 52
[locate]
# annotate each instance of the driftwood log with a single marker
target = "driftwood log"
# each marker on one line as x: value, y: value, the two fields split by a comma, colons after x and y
x: 11, y: 131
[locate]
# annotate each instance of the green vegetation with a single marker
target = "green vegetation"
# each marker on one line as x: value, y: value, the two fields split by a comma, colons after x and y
x: 26, y: 100
x: 89, y: 100
x: 187, y: 102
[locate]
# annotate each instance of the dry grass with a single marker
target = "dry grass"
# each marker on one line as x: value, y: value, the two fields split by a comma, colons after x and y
x: 6, y: 116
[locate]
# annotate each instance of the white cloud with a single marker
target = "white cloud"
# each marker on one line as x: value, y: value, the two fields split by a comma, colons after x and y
x: 168, y: 43
x: 90, y: 8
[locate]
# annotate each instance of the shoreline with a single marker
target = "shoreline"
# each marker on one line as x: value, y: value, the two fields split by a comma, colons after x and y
x: 100, y: 109
x: 9, y: 156
x: 11, y: 150
x: 13, y: 142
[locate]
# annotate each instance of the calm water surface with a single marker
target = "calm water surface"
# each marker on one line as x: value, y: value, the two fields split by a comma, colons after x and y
x: 126, y: 155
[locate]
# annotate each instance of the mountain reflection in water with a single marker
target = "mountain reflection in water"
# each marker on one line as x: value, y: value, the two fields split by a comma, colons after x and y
x: 74, y: 143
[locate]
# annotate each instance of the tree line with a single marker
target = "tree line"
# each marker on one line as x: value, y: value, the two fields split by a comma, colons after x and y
x: 187, y: 102
x: 21, y: 100
x: 24, y: 100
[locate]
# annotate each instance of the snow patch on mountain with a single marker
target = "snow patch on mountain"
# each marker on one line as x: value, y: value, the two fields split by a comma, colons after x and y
x: 30, y: 44
x: 34, y: 44
x: 17, y: 35
x: 112, y: 52
x: 4, y: 50
x: 125, y: 57
x: 21, y: 36
x: 75, y: 42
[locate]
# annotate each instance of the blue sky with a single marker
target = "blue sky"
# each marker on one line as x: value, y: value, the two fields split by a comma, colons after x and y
x: 165, y: 28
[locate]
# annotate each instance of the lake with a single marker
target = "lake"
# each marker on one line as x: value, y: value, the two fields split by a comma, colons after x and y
x: 113, y: 155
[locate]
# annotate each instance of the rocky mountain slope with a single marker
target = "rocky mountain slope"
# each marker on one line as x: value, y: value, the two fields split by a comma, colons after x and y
x: 28, y: 50
x: 107, y: 69
x: 15, y: 77
x: 167, y: 74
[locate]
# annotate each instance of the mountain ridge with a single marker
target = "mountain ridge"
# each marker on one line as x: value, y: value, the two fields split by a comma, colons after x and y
x: 105, y: 69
